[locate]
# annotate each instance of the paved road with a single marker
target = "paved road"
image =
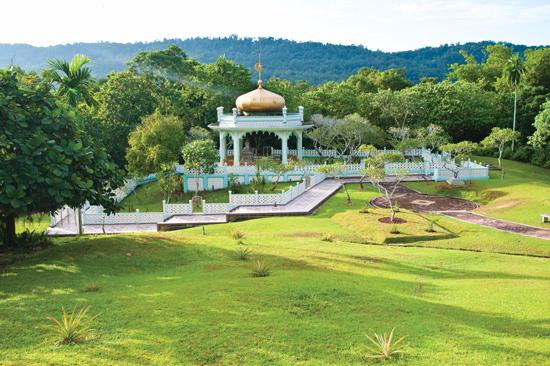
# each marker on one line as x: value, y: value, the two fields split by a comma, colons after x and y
x: 502, y: 225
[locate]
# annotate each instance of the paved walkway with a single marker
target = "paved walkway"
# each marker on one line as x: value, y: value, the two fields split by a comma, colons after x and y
x: 304, y: 204
x: 498, y: 224
x: 65, y: 230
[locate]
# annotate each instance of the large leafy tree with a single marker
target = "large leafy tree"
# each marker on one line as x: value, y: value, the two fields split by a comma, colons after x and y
x: 171, y: 63
x: 73, y: 79
x: 45, y: 161
x: 156, y: 142
x: 125, y: 98
x: 541, y: 137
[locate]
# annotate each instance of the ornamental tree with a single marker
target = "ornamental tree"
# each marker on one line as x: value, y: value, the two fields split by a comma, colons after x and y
x: 45, y: 160
x: 335, y: 171
x: 456, y: 154
x: 498, y: 138
x: 375, y: 172
x: 200, y: 157
x: 154, y: 143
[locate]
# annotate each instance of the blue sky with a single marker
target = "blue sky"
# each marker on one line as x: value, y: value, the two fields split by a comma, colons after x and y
x: 390, y: 25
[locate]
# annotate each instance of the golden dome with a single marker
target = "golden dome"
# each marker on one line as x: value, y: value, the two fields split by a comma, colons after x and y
x: 260, y: 100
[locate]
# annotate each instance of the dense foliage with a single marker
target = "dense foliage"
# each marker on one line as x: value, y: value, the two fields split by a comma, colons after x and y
x: 45, y: 160
x: 312, y: 61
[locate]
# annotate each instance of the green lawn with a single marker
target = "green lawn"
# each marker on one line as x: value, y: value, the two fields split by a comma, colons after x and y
x: 148, y: 198
x: 180, y: 298
x: 522, y: 196
x: 37, y: 223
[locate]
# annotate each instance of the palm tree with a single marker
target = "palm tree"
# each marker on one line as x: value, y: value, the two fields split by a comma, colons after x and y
x: 74, y: 79
x: 514, y: 70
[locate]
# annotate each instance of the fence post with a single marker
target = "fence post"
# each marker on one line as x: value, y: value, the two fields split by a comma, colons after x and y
x: 137, y: 215
x: 229, y: 196
x: 257, y: 197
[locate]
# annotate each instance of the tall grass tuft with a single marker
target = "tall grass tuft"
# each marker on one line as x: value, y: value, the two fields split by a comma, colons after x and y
x: 243, y: 253
x: 236, y: 234
x: 92, y: 287
x: 394, y: 229
x: 430, y: 227
x: 327, y: 237
x: 385, y: 347
x: 74, y: 327
x: 260, y: 269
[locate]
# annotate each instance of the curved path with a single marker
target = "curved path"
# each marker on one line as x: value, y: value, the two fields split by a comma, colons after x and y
x: 456, y: 208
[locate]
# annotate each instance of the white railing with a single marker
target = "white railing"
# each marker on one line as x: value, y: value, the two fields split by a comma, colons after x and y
x: 96, y: 216
x: 170, y: 209
x: 216, y: 208
x: 251, y: 169
x: 331, y: 153
x: 317, y: 178
x: 273, y: 198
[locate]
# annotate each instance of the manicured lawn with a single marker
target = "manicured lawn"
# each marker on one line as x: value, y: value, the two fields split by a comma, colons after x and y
x: 148, y: 198
x: 521, y: 196
x: 180, y: 298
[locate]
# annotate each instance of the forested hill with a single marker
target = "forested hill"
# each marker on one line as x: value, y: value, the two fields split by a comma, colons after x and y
x: 313, y: 61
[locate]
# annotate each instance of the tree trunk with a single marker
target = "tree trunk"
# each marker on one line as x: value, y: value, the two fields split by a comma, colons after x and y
x: 347, y: 193
x: 514, y: 123
x: 9, y: 231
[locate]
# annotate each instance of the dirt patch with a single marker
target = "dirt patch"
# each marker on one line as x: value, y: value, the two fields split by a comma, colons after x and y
x: 396, y: 220
x: 418, y: 202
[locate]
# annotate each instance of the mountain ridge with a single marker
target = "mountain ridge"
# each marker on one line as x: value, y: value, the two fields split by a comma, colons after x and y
x: 312, y: 61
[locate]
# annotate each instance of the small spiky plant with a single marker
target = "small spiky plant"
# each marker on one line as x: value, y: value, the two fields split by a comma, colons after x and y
x: 430, y: 227
x: 327, y: 237
x: 243, y: 253
x: 261, y: 269
x: 394, y: 229
x: 92, y: 287
x: 385, y: 347
x: 74, y: 327
x: 236, y: 234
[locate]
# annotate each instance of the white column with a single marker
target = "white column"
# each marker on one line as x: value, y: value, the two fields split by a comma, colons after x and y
x: 223, y: 147
x: 299, y: 145
x: 284, y: 148
x: 236, y: 148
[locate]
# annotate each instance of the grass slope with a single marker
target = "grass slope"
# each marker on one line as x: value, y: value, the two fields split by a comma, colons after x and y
x: 522, y: 196
x: 181, y: 298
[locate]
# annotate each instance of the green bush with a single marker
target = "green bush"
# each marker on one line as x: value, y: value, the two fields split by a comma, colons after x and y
x: 30, y: 240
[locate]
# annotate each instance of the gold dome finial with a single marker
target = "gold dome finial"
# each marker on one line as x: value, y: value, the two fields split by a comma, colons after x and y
x: 260, y: 100
x: 258, y: 67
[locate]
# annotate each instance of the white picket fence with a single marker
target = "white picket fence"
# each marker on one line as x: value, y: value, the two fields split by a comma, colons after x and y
x: 331, y: 153
x: 94, y: 215
x: 274, y: 198
x: 352, y: 169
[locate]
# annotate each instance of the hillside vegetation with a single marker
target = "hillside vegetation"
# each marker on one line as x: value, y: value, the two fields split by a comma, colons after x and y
x: 311, y: 61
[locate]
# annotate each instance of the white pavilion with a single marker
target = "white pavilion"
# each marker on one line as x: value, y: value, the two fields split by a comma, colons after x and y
x: 259, y: 111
